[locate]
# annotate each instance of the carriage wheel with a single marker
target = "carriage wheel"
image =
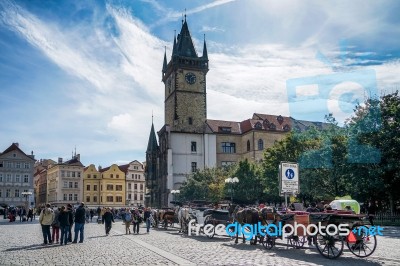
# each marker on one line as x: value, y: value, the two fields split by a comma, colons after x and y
x: 365, y: 244
x: 329, y: 246
x: 210, y: 236
x: 268, y: 241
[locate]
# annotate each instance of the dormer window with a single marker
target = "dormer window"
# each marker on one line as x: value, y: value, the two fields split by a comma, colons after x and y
x: 272, y: 126
x: 279, y: 119
x: 266, y: 123
x: 286, y: 128
x: 258, y: 125
x: 225, y: 129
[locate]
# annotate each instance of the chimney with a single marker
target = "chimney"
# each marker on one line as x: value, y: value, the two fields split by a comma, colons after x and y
x: 60, y: 160
x: 16, y: 144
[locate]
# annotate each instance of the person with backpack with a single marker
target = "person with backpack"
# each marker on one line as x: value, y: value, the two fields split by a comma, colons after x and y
x: 56, y: 226
x: 46, y: 219
x: 128, y: 219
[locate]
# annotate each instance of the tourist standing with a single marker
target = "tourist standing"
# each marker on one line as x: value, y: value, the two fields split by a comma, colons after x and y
x: 80, y: 214
x: 30, y: 214
x: 71, y: 210
x: 107, y: 220
x: 46, y: 219
x: 56, y: 226
x: 137, y: 219
x: 65, y: 220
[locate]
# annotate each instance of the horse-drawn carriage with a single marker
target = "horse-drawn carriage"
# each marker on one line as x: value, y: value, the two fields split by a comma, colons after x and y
x: 166, y: 218
x: 215, y: 217
x: 329, y: 242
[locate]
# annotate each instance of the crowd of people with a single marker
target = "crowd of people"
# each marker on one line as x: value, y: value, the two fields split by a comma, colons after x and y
x: 57, y: 223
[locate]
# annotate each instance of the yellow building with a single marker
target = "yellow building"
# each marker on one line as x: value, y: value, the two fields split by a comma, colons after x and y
x: 112, y: 187
x: 91, y: 186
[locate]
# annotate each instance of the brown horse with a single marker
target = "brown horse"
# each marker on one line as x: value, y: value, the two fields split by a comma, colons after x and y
x: 247, y: 216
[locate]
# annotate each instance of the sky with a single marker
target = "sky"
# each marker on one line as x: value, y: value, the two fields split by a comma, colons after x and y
x: 85, y: 76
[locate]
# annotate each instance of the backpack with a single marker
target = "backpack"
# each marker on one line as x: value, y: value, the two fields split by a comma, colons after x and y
x: 128, y: 217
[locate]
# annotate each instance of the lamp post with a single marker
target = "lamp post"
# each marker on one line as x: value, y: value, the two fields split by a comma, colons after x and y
x: 231, y: 181
x: 174, y: 192
x: 26, y: 194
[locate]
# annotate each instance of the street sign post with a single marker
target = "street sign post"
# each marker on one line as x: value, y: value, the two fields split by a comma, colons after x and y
x: 288, y: 179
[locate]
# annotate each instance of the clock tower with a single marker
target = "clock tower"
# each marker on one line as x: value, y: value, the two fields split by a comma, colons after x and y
x: 184, y: 77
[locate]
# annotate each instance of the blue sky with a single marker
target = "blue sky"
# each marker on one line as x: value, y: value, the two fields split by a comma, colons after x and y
x: 87, y: 74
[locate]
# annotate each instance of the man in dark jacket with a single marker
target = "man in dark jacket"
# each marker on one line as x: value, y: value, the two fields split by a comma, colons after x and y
x: 79, y: 223
x: 108, y: 219
x: 65, y: 219
x: 71, y: 210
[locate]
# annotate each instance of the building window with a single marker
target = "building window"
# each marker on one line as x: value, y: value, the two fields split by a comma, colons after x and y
x: 73, y: 174
x: 193, y: 146
x: 65, y: 184
x: 110, y: 199
x: 133, y: 176
x: 134, y: 197
x: 111, y: 175
x: 17, y: 165
x: 135, y: 186
x: 88, y: 187
x: 194, y: 167
x: 87, y: 198
x: 75, y: 197
x: 110, y: 187
x: 94, y: 198
x: 1, y: 164
x: 248, y: 145
x: 225, y: 129
x: 118, y: 198
x: 8, y: 192
x: 190, y: 121
x: 129, y: 186
x: 79, y: 174
x: 141, y: 187
x: 76, y: 185
x: 70, y: 197
x: 258, y: 125
x: 94, y: 187
x: 26, y: 165
x: 26, y: 179
x: 118, y: 187
x: 65, y: 197
x: 94, y: 176
x: 260, y: 144
x: 88, y: 176
x: 129, y: 197
x: 9, y: 164
x: 8, y: 178
x: 16, y: 193
x: 1, y: 177
x: 17, y: 178
x: 117, y: 176
x: 228, y: 147
x: 63, y: 173
x: 68, y: 174
x: 138, y: 177
x: 141, y: 196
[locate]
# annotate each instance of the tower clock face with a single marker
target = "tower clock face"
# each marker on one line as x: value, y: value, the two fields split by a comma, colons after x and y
x: 190, y: 78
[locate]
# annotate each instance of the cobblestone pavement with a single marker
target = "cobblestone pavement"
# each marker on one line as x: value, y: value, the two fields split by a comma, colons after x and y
x: 21, y: 244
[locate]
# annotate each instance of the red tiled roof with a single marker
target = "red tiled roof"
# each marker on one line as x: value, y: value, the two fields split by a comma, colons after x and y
x: 216, y: 125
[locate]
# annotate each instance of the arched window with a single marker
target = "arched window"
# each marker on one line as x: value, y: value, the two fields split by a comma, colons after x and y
x: 260, y: 144
x: 248, y: 145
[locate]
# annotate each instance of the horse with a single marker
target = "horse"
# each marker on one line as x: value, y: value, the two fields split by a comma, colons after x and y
x: 183, y: 218
x: 247, y: 216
